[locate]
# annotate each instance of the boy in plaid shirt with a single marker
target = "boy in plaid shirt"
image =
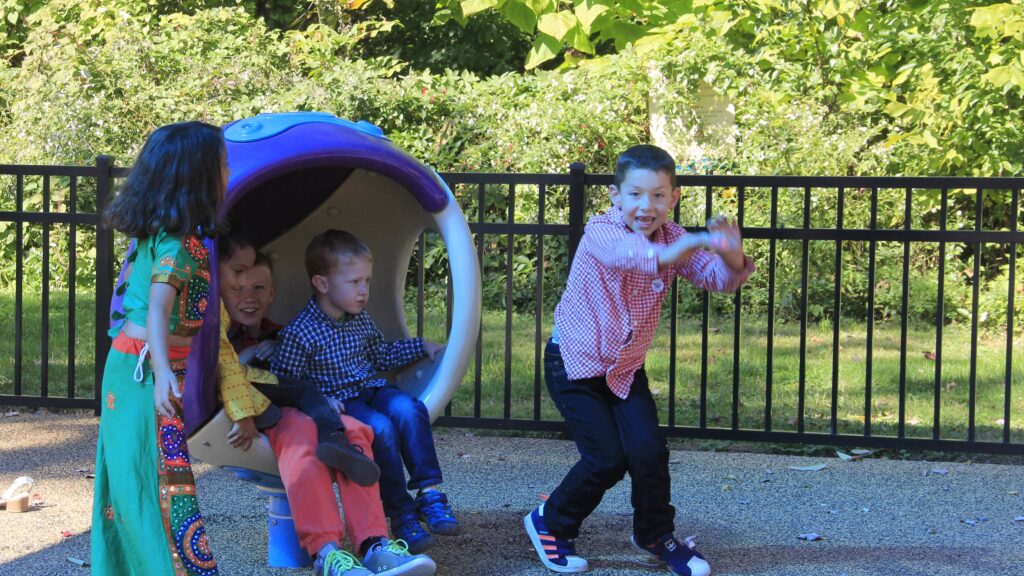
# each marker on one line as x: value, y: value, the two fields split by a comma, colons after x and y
x: 334, y: 344
x: 594, y: 362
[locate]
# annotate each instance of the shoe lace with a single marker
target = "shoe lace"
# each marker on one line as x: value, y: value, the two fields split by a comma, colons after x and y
x: 438, y: 511
x: 398, y: 547
x: 338, y: 561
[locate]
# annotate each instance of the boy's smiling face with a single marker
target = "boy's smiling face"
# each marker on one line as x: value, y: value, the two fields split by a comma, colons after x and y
x: 251, y: 303
x: 346, y: 288
x: 645, y: 197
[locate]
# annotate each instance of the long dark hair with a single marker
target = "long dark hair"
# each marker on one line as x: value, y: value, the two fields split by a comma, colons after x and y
x: 175, y: 185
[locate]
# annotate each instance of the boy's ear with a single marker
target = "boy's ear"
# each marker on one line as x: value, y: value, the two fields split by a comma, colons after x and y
x: 319, y: 283
x: 675, y: 197
x: 616, y: 197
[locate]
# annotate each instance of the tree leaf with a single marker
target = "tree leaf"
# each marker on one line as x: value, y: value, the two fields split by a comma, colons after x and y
x: 470, y: 7
x: 521, y: 16
x: 544, y: 48
x: 588, y: 11
x: 557, y: 24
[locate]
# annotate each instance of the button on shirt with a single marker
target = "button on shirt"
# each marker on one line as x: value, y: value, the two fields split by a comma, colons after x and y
x: 339, y: 356
x: 609, y: 312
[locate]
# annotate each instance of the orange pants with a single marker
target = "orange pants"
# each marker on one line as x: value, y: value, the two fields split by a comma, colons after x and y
x: 309, y: 485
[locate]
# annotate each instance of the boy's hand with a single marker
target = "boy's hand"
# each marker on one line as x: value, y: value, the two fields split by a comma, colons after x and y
x: 723, y: 235
x: 242, y: 433
x: 433, y: 350
x: 165, y: 385
x: 261, y: 352
x: 336, y: 404
x: 724, y: 239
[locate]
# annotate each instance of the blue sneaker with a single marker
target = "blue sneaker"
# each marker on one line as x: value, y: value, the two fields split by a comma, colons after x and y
x: 558, y: 554
x: 409, y: 529
x: 339, y: 563
x: 437, y: 513
x: 682, y: 557
x: 391, y: 558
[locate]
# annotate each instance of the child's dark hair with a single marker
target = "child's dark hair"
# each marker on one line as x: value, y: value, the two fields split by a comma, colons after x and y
x: 175, y: 185
x: 644, y: 157
x: 232, y: 242
x: 263, y: 260
x: 331, y: 248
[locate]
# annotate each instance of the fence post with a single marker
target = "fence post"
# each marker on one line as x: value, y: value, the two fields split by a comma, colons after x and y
x: 577, y: 205
x: 104, y: 278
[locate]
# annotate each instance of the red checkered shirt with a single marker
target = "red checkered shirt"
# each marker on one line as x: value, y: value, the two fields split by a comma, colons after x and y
x: 608, y: 314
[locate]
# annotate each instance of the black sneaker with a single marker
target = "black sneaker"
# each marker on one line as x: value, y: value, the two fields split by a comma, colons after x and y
x: 682, y: 557
x: 558, y: 554
x: 338, y: 453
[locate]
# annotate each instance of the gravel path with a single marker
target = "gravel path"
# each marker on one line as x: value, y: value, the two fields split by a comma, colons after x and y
x: 874, y: 516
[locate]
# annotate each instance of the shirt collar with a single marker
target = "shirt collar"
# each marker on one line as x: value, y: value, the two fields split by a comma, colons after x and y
x: 326, y: 318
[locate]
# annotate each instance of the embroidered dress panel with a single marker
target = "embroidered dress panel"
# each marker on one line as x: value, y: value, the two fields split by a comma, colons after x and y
x: 340, y: 356
x: 610, y: 309
x: 182, y: 262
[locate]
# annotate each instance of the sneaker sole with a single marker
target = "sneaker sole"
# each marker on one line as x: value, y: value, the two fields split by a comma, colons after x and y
x: 448, y: 529
x: 422, y: 566
x: 355, y: 467
x: 535, y: 540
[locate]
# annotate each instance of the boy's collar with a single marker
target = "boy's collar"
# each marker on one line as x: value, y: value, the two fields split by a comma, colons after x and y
x: 345, y: 316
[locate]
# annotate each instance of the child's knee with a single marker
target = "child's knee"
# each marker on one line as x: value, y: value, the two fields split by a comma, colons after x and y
x: 608, y: 470
x: 358, y: 434
x: 383, y: 428
x: 405, y: 406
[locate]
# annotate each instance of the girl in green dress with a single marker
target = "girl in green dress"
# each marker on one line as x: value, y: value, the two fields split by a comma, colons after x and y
x: 146, y: 518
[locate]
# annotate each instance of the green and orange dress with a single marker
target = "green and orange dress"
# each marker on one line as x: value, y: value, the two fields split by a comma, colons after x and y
x: 146, y: 518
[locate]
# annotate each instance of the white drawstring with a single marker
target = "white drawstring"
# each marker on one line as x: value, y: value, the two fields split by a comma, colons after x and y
x: 139, y: 373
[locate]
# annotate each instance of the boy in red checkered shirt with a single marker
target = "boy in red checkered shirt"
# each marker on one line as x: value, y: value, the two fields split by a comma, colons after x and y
x: 594, y: 362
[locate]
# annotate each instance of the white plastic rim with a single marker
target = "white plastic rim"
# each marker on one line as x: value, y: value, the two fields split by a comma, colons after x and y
x: 466, y: 302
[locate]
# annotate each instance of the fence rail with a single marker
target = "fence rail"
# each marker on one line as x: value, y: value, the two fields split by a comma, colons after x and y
x: 756, y: 203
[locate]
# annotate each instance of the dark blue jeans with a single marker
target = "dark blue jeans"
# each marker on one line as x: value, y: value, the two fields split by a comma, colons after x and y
x: 307, y: 398
x: 401, y: 434
x: 613, y: 436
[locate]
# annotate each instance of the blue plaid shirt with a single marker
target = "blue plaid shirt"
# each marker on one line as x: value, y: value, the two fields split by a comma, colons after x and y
x: 340, y: 356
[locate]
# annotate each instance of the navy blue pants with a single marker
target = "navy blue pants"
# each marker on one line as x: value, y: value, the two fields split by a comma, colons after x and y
x: 401, y: 434
x: 307, y: 398
x: 613, y: 436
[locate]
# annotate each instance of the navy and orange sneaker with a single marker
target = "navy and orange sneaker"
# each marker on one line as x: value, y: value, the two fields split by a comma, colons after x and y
x: 558, y: 554
x: 682, y: 558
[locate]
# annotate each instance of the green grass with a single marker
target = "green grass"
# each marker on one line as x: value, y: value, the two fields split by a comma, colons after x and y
x: 920, y: 371
x: 57, y: 357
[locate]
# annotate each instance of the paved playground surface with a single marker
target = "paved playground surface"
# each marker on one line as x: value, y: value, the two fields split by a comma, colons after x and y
x: 874, y: 516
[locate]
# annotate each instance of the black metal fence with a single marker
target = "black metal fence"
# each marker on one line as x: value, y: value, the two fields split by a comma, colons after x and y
x: 14, y: 214
x: 694, y: 404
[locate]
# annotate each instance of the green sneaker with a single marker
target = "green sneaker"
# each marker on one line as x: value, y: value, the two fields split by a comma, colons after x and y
x: 339, y: 563
x: 391, y: 558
